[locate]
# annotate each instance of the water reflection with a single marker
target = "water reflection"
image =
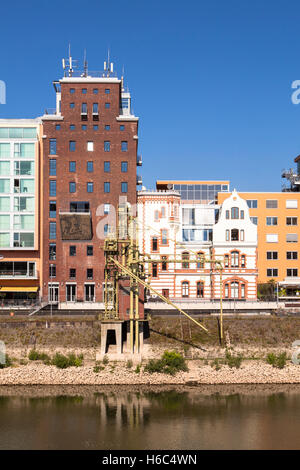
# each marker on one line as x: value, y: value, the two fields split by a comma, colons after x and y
x: 169, y: 419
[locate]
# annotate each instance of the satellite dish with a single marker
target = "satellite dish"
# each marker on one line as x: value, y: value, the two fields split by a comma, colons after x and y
x: 170, y: 186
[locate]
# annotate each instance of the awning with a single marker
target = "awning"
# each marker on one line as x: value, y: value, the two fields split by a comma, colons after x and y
x: 18, y: 289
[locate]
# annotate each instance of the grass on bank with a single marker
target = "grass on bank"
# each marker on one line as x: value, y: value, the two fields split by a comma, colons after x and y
x: 170, y: 363
x: 59, y: 360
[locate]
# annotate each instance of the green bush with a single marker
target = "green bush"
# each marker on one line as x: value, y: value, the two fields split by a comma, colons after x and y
x: 34, y: 355
x: 129, y: 364
x: 216, y: 364
x: 278, y: 361
x: 105, y: 360
x: 138, y: 369
x: 8, y: 362
x: 98, y: 368
x: 62, y: 362
x: 233, y: 361
x: 170, y: 363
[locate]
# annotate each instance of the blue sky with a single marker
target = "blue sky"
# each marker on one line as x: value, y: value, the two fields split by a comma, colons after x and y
x: 210, y: 80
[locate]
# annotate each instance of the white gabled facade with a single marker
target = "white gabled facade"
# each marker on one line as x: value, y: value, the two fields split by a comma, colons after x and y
x: 188, y: 238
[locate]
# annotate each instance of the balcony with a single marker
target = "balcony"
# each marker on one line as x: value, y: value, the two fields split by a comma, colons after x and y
x: 139, y: 180
x: 17, y: 270
x: 139, y: 160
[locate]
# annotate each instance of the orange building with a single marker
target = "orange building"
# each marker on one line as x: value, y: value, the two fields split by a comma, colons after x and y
x: 276, y: 215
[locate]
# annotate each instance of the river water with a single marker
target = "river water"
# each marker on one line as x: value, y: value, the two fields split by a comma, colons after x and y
x: 213, y: 417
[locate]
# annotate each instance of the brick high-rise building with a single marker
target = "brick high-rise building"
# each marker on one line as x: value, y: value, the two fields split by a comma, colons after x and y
x: 89, y: 147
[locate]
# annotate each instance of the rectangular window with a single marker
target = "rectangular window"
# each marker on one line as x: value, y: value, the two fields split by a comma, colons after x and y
x: 154, y: 270
x: 95, y: 91
x: 89, y: 250
x: 72, y: 250
x: 164, y: 237
x: 124, y: 146
x: 164, y: 264
x: 292, y: 272
x: 107, y: 127
x: 272, y: 272
x: 107, y: 187
x: 124, y: 167
x: 90, y: 167
x: 52, y: 209
x: 52, y: 188
x: 57, y: 127
x: 90, y: 187
x: 107, y: 105
x: 72, y: 127
x: 291, y: 204
x: 252, y: 203
x: 72, y: 105
x: 4, y: 150
x: 106, y: 146
x: 106, y: 208
x: 122, y: 127
x: 52, y: 231
x: 95, y: 127
x: 89, y: 273
x: 72, y: 145
x: 124, y: 187
x: 272, y: 254
x: 72, y: 273
x: 90, y: 146
x: 52, y: 167
x: 292, y: 237
x: 72, y: 90
x: 72, y: 167
x: 52, y: 270
x: 107, y: 167
x: 52, y: 146
x: 84, y: 91
x: 95, y: 108
x: 292, y: 255
x: 292, y: 221
x: 271, y: 204
x: 72, y: 187
x: 83, y: 127
x: 80, y: 206
x: 271, y: 220
x: 107, y: 91
x: 83, y: 108
x: 154, y: 244
x: 52, y: 251
x: 272, y: 238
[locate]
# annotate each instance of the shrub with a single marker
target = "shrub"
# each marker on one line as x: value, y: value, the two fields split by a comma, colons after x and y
x: 170, y: 363
x: 216, y: 364
x: 34, y: 355
x: 105, y: 360
x: 278, y: 361
x: 233, y: 361
x: 138, y: 369
x: 97, y: 368
x: 129, y: 364
x: 62, y: 362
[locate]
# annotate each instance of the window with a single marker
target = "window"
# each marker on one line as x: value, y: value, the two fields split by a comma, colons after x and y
x: 242, y: 235
x: 226, y: 290
x: 89, y: 273
x: 200, y: 262
x: 272, y: 237
x: 164, y: 264
x: 124, y: 146
x: 83, y: 127
x: 291, y: 204
x: 234, y: 235
x: 107, y: 167
x: 234, y: 290
x: 226, y: 261
x: 227, y: 214
x: 154, y: 270
x: 52, y: 270
x: 227, y: 235
x: 272, y: 272
x: 292, y: 237
x: 185, y: 289
x: 291, y: 255
x: 107, y: 91
x: 243, y: 261
x: 154, y: 244
x: 52, y: 230
x: 252, y: 203
x: 52, y: 167
x: 95, y: 127
x: 72, y: 127
x: 72, y: 90
x: 164, y: 237
x: 124, y: 187
x: 89, y: 250
x: 163, y: 212
x: 124, y: 167
x: 84, y: 91
x: 292, y: 272
x: 185, y: 260
x: 106, y: 146
x: 106, y: 208
x: 200, y: 289
x: 254, y: 220
x: 57, y: 127
x: 234, y: 259
x: 72, y: 167
x: 72, y: 187
x: 83, y: 108
x: 89, y: 167
x: 52, y: 209
x: 271, y: 204
x: 242, y: 215
x: 292, y: 221
x: 72, y: 105
x: 156, y: 215
x: 90, y: 146
x: 52, y: 146
x: 71, y: 289
x: 234, y: 212
x: 80, y: 206
x: 90, y: 187
x: 107, y: 105
x: 72, y: 273
x: 271, y: 220
x: 95, y: 91
x: 89, y: 293
x: 72, y: 145
x: 242, y: 291
x: 122, y: 127
x: 72, y: 250
x: 95, y: 108
x: 272, y: 254
x: 107, y: 127
x: 52, y: 188
x: 107, y: 187
x: 52, y: 251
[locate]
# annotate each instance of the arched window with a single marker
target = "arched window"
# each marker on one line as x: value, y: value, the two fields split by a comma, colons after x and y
x: 226, y: 291
x: 185, y: 260
x: 234, y: 259
x: 234, y: 290
x: 234, y: 235
x: 200, y: 289
x: 234, y: 212
x: 242, y: 291
x: 185, y: 289
x: 200, y: 260
x: 226, y: 261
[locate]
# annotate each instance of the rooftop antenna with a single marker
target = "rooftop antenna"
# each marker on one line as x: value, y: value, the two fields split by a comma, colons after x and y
x: 108, y: 65
x: 85, y: 64
x: 122, y: 79
x: 68, y: 64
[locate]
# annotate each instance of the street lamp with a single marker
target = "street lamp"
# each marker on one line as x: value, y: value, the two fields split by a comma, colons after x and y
x: 51, y: 287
